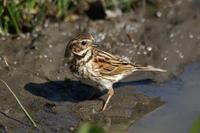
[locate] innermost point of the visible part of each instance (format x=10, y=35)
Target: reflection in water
x=182, y=96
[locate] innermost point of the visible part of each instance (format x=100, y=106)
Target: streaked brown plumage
x=96, y=67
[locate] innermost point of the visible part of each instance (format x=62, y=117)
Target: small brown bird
x=98, y=68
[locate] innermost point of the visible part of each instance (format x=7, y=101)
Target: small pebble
x=65, y=64
x=28, y=34
x=145, y=52
x=37, y=29
x=71, y=128
x=158, y=14
x=40, y=56
x=18, y=38
x=37, y=74
x=50, y=45
x=35, y=35
x=63, y=33
x=31, y=52
x=179, y=2
x=191, y=36
x=7, y=111
x=36, y=48
x=130, y=51
x=23, y=36
x=165, y=58
x=177, y=51
x=149, y=48
x=15, y=62
x=143, y=20
x=101, y=36
x=135, y=46
x=46, y=25
x=3, y=38
x=57, y=129
x=181, y=55
x=94, y=111
x=45, y=56
x=171, y=35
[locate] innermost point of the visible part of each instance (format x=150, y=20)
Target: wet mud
x=36, y=70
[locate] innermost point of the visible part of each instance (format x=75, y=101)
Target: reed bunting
x=98, y=68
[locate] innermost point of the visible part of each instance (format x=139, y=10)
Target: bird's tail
x=148, y=68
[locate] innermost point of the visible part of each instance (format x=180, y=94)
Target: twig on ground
x=24, y=110
x=6, y=61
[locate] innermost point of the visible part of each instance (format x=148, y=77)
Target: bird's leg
x=110, y=94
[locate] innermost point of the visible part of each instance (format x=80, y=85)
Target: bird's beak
x=94, y=45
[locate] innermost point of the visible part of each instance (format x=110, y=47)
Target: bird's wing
x=110, y=65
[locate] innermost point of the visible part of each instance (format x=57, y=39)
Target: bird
x=98, y=68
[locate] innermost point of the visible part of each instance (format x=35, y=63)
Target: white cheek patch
x=81, y=52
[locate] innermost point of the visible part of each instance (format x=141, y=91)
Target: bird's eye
x=83, y=42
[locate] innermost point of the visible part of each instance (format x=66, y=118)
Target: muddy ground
x=37, y=73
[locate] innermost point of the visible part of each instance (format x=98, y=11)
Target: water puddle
x=182, y=96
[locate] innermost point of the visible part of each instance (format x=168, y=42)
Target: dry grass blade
x=22, y=107
x=6, y=61
x=4, y=3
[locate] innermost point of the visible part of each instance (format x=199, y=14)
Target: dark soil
x=37, y=73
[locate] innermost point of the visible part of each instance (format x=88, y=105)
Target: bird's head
x=80, y=45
